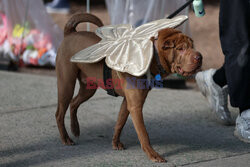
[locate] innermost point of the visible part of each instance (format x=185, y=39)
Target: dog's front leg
x=135, y=100
x=122, y=118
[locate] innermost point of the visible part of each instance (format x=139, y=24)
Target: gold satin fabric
x=126, y=49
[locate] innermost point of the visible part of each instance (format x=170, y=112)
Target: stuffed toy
x=3, y=28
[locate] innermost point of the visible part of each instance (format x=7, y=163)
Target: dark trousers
x=234, y=23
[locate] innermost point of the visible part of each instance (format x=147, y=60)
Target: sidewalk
x=179, y=123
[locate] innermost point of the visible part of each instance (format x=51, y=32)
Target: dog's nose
x=197, y=57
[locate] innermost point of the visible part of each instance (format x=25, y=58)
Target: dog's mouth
x=184, y=72
x=180, y=70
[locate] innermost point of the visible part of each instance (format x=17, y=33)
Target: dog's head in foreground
x=178, y=53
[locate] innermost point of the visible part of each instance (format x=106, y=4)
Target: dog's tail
x=80, y=18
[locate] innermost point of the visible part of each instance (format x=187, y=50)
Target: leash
x=197, y=6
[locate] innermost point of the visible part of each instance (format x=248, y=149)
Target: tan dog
x=176, y=54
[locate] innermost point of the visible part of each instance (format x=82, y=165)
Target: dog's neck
x=154, y=67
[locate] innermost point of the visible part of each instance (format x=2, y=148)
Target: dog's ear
x=190, y=42
x=166, y=39
x=167, y=32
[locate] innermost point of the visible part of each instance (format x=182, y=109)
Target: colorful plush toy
x=39, y=40
x=30, y=57
x=34, y=46
x=3, y=28
x=48, y=58
x=20, y=31
x=17, y=45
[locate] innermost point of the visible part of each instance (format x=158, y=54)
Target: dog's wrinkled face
x=178, y=51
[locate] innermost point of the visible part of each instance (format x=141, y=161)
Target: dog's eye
x=180, y=48
x=168, y=44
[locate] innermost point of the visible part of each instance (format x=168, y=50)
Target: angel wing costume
x=126, y=49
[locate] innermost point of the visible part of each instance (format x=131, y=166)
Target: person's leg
x=219, y=77
x=235, y=35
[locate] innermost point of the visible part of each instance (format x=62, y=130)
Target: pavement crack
x=208, y=160
x=20, y=109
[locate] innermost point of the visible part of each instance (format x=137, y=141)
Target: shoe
x=242, y=128
x=217, y=96
x=58, y=6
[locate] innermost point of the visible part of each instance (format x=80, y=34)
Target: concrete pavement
x=179, y=122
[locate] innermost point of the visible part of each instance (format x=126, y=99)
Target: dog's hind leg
x=122, y=118
x=66, y=84
x=83, y=95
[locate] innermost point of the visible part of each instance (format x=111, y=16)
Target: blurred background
x=204, y=31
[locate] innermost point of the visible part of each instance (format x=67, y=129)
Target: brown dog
x=176, y=54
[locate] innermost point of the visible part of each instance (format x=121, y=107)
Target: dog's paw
x=68, y=142
x=117, y=146
x=153, y=155
x=157, y=158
